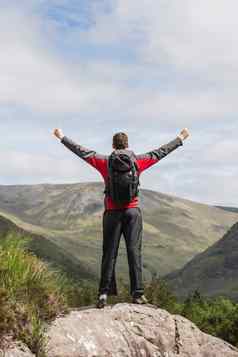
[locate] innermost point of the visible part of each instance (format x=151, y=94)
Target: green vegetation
x=30, y=294
x=218, y=317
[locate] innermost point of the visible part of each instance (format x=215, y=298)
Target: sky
x=93, y=68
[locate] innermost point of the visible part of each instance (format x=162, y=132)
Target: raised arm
x=90, y=156
x=150, y=158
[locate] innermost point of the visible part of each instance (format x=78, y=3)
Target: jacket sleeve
x=150, y=158
x=98, y=161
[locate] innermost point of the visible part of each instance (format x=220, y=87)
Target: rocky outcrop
x=126, y=330
x=129, y=330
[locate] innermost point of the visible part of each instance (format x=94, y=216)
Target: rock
x=129, y=330
x=16, y=349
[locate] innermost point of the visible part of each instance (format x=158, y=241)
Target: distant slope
x=229, y=209
x=48, y=251
x=70, y=215
x=213, y=272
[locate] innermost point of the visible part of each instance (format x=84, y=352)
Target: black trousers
x=115, y=223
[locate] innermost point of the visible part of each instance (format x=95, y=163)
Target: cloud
x=148, y=67
x=187, y=34
x=44, y=168
x=34, y=77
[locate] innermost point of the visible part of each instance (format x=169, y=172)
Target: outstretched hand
x=58, y=133
x=184, y=134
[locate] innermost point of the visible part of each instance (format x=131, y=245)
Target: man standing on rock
x=122, y=215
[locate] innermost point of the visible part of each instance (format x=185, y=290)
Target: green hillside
x=69, y=216
x=48, y=251
x=213, y=272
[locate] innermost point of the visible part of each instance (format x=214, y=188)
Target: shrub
x=216, y=316
x=159, y=294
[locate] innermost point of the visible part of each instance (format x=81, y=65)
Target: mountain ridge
x=70, y=215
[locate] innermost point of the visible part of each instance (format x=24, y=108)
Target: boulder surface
x=129, y=330
x=15, y=349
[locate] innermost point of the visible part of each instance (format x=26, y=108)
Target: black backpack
x=123, y=181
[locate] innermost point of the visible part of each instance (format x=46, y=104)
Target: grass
x=30, y=294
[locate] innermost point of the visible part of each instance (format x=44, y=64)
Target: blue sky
x=93, y=68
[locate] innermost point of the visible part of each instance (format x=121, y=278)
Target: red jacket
x=100, y=163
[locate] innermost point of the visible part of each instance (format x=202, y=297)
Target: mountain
x=69, y=216
x=213, y=272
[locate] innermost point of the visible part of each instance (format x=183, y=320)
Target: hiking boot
x=102, y=301
x=140, y=300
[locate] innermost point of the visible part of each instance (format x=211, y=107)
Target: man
x=123, y=218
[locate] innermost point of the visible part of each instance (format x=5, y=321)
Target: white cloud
x=33, y=76
x=187, y=34
x=157, y=66
x=39, y=168
x=194, y=42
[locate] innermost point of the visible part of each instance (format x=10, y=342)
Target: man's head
x=120, y=141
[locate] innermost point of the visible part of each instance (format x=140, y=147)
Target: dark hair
x=120, y=141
